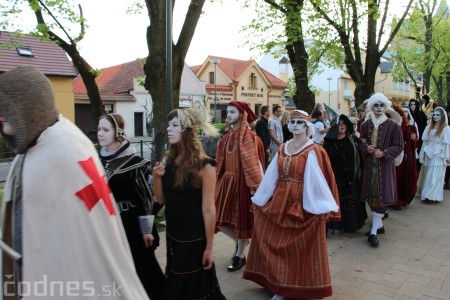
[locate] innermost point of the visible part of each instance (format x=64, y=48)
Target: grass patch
x=1, y=194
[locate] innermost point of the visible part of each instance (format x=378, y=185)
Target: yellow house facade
x=64, y=96
x=231, y=79
x=49, y=58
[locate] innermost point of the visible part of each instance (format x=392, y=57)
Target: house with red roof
x=230, y=79
x=20, y=50
x=122, y=92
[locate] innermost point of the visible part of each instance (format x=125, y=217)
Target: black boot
x=373, y=240
x=237, y=264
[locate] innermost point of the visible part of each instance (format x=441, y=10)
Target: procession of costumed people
x=314, y=182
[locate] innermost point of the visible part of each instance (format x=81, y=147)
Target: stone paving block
x=398, y=296
x=372, y=296
x=432, y=263
x=415, y=253
x=408, y=269
x=436, y=293
x=436, y=274
x=419, y=279
x=394, y=278
x=379, y=288
x=412, y=290
x=436, y=283
x=397, y=260
x=444, y=269
x=348, y=293
x=412, y=262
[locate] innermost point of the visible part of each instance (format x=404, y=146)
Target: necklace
x=301, y=144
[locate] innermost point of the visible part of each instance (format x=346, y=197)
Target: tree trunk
x=155, y=64
x=88, y=78
x=304, y=98
x=82, y=66
x=447, y=88
x=438, y=81
x=428, y=19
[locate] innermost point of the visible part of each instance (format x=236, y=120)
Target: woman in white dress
x=434, y=157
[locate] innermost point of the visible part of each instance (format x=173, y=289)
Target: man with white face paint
x=240, y=165
x=383, y=143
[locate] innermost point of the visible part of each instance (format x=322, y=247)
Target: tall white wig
x=378, y=97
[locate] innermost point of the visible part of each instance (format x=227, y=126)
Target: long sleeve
x=317, y=196
x=268, y=184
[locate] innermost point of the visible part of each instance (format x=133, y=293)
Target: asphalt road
x=4, y=169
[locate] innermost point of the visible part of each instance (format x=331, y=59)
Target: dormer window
x=252, y=81
x=24, y=51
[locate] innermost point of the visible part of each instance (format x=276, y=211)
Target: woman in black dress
x=185, y=182
x=342, y=147
x=127, y=176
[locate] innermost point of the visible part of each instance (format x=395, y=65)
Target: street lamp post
x=215, y=61
x=329, y=90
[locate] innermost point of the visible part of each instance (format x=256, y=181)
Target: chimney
x=284, y=69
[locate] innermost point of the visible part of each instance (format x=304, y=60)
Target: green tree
x=362, y=53
x=422, y=48
x=50, y=16
x=279, y=28
x=155, y=65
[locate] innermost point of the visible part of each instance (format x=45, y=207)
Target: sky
x=115, y=37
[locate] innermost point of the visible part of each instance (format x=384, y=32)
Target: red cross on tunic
x=97, y=190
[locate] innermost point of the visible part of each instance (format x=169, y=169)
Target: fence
x=144, y=149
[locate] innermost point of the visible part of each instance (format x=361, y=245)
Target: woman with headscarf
x=185, y=183
x=406, y=172
x=288, y=252
x=127, y=175
x=434, y=156
x=342, y=147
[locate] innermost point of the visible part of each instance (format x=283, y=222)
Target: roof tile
x=47, y=55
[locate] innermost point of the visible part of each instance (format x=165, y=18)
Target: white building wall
x=190, y=88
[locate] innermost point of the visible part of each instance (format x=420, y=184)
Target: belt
x=125, y=206
x=288, y=179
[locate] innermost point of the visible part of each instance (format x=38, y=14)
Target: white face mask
x=437, y=116
x=233, y=115
x=5, y=126
x=297, y=126
x=174, y=131
x=379, y=108
x=105, y=133
x=412, y=106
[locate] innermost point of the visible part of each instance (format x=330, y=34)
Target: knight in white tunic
x=62, y=237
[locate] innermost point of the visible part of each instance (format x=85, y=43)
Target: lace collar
x=124, y=150
x=377, y=121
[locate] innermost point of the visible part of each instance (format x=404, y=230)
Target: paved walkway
x=412, y=261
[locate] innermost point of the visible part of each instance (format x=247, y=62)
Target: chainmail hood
x=27, y=102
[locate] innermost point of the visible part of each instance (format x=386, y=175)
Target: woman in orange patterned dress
x=298, y=194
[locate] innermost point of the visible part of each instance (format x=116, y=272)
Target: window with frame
x=252, y=81
x=24, y=51
x=211, y=77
